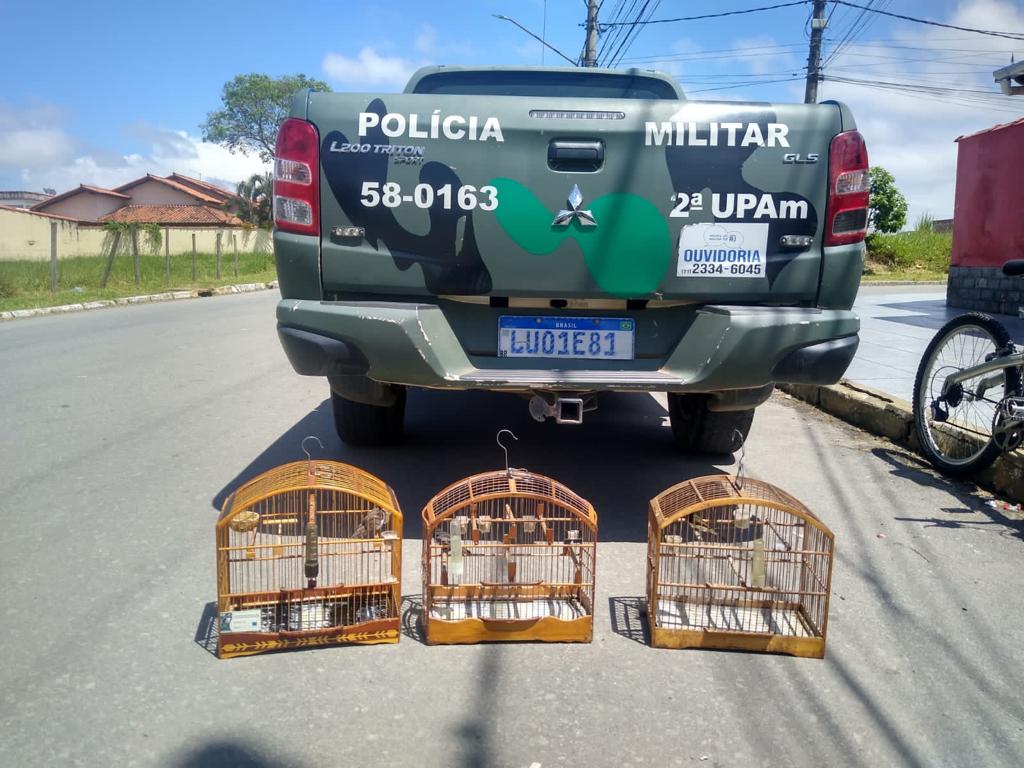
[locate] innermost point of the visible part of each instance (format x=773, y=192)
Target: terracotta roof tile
x=202, y=186
x=202, y=196
x=78, y=190
x=203, y=215
x=999, y=127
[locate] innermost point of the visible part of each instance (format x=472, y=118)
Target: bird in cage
x=372, y=524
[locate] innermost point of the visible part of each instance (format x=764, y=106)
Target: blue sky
x=103, y=93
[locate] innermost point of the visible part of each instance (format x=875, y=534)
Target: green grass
x=26, y=284
x=918, y=255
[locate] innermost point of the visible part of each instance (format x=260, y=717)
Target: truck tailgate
x=594, y=198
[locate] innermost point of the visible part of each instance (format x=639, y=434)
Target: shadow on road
x=217, y=754
x=628, y=619
x=914, y=468
x=412, y=618
x=620, y=457
x=206, y=630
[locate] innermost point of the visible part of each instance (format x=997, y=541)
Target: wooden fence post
x=234, y=242
x=218, y=255
x=135, y=255
x=53, y=256
x=193, y=257
x=167, y=252
x=110, y=259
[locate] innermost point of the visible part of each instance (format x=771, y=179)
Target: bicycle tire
x=961, y=443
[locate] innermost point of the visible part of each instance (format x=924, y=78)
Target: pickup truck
x=557, y=233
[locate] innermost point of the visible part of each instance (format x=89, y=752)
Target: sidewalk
x=897, y=322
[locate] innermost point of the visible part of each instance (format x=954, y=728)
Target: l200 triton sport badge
x=575, y=200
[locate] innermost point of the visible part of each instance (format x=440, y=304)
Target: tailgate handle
x=576, y=156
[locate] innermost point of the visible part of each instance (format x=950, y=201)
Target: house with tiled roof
x=166, y=200
x=161, y=190
x=192, y=214
x=84, y=203
x=204, y=186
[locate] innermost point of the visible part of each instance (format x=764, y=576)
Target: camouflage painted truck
x=559, y=233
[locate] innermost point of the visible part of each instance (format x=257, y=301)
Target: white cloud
x=33, y=137
x=426, y=40
x=368, y=69
x=37, y=150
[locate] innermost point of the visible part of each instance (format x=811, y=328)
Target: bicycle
x=968, y=397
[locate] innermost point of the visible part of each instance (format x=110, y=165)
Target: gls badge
x=796, y=157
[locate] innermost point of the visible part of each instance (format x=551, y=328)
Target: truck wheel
x=362, y=424
x=699, y=430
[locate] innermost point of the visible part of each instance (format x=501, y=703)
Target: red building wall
x=988, y=217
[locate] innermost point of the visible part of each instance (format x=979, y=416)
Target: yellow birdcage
x=308, y=554
x=740, y=564
x=508, y=555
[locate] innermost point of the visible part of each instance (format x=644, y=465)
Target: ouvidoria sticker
x=722, y=250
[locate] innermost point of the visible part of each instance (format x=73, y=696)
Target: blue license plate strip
x=579, y=338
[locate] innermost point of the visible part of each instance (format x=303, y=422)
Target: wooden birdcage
x=308, y=554
x=737, y=564
x=508, y=555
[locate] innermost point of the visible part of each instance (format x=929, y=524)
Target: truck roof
x=592, y=82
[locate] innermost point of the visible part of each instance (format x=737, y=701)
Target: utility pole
x=590, y=50
x=814, y=55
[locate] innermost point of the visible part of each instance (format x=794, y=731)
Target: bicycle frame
x=990, y=366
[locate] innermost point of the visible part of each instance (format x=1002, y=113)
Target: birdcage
x=508, y=555
x=308, y=554
x=737, y=563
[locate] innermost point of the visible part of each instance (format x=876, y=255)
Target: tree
x=257, y=194
x=888, y=206
x=254, y=106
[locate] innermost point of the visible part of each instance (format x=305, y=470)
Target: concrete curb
x=886, y=416
x=902, y=282
x=223, y=290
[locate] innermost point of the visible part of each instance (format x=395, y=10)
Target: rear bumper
x=724, y=347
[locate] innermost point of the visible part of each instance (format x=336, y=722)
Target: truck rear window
x=580, y=84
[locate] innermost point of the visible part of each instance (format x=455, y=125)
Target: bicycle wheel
x=955, y=430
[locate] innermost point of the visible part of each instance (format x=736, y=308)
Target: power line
x=634, y=30
x=959, y=96
x=745, y=84
x=535, y=37
x=993, y=33
x=715, y=15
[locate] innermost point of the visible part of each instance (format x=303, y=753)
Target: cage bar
x=308, y=554
x=508, y=555
x=737, y=564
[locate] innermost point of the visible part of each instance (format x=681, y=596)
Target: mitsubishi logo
x=575, y=200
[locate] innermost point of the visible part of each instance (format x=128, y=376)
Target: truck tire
x=699, y=430
x=362, y=424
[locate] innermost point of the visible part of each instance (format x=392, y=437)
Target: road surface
x=125, y=428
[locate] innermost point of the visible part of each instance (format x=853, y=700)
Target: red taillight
x=297, y=178
x=846, y=213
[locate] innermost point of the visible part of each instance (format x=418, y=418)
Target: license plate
x=578, y=338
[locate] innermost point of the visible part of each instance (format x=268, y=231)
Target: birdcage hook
x=497, y=439
x=310, y=437
x=743, y=453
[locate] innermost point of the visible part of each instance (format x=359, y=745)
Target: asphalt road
x=125, y=428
